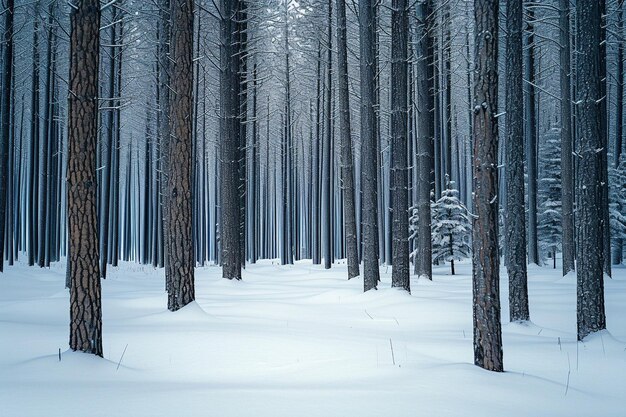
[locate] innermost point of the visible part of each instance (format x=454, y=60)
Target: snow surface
x=303, y=341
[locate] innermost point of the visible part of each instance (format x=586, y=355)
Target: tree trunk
x=5, y=121
x=229, y=127
x=326, y=160
x=179, y=182
x=530, y=131
x=347, y=162
x=426, y=134
x=85, y=302
x=399, y=124
x=515, y=233
x=567, y=163
x=604, y=145
x=589, y=271
x=619, y=116
x=371, y=273
x=486, y=294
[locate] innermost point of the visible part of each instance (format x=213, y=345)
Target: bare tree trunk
x=371, y=274
x=229, y=127
x=347, y=162
x=606, y=227
x=5, y=121
x=589, y=271
x=179, y=181
x=530, y=131
x=486, y=265
x=426, y=134
x=399, y=125
x=567, y=163
x=326, y=160
x=619, y=116
x=85, y=302
x=515, y=233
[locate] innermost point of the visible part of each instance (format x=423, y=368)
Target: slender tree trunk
x=229, y=127
x=33, y=188
x=399, y=136
x=530, y=131
x=515, y=233
x=5, y=121
x=589, y=271
x=567, y=163
x=486, y=265
x=85, y=303
x=179, y=233
x=619, y=116
x=347, y=162
x=606, y=227
x=426, y=133
x=371, y=274
x=326, y=160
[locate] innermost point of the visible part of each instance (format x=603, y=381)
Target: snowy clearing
x=303, y=341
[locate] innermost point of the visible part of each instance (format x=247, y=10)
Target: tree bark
x=179, y=182
x=399, y=125
x=567, y=163
x=619, y=116
x=347, y=162
x=85, y=302
x=426, y=136
x=371, y=273
x=589, y=271
x=515, y=234
x=485, y=269
x=326, y=160
x=229, y=148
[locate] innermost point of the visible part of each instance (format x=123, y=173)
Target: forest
x=314, y=200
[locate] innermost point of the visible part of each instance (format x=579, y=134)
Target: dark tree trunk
x=515, y=233
x=604, y=145
x=5, y=121
x=85, y=302
x=530, y=131
x=229, y=146
x=33, y=180
x=589, y=271
x=567, y=163
x=371, y=273
x=619, y=116
x=181, y=257
x=326, y=160
x=487, y=327
x=426, y=133
x=399, y=125
x=347, y=162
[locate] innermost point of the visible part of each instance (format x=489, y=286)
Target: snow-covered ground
x=302, y=341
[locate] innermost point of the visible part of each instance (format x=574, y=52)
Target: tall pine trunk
x=515, y=225
x=425, y=136
x=347, y=162
x=399, y=136
x=486, y=265
x=369, y=183
x=589, y=271
x=179, y=181
x=567, y=163
x=85, y=302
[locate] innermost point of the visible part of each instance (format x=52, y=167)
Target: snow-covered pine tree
x=451, y=228
x=617, y=208
x=550, y=194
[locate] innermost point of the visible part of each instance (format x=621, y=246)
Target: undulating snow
x=303, y=341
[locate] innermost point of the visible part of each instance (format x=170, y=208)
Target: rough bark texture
x=530, y=131
x=327, y=153
x=604, y=144
x=85, y=303
x=619, y=116
x=567, y=163
x=515, y=233
x=371, y=273
x=5, y=121
x=347, y=162
x=179, y=182
x=229, y=128
x=426, y=135
x=399, y=170
x=486, y=294
x=590, y=288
